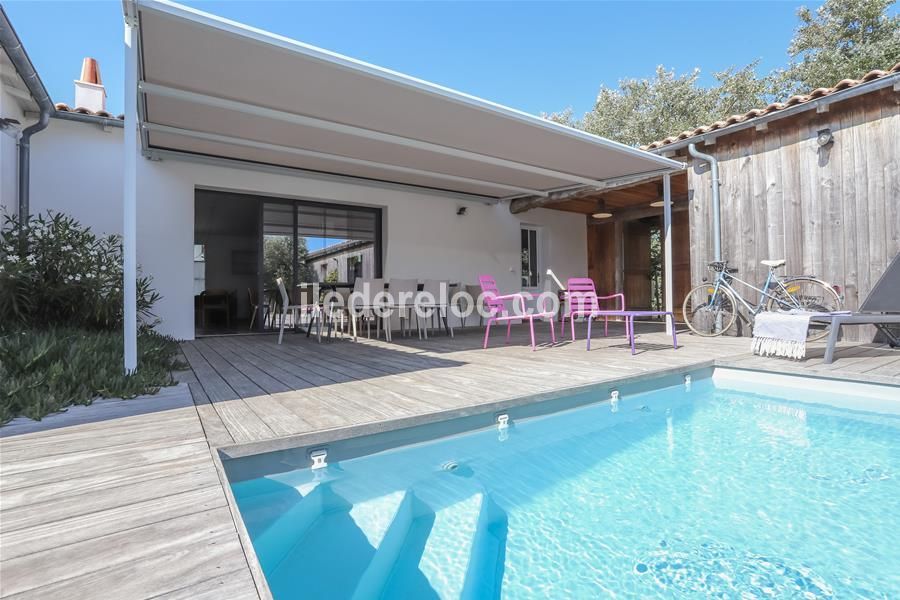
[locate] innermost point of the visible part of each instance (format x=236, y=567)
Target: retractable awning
x=213, y=87
x=206, y=88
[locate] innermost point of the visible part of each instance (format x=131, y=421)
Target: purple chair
x=582, y=301
x=495, y=305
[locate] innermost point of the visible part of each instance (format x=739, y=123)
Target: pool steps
x=432, y=540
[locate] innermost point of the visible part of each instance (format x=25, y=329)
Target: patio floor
x=249, y=389
x=121, y=499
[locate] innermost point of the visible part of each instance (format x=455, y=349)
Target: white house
x=242, y=134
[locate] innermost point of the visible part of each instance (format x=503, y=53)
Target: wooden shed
x=814, y=180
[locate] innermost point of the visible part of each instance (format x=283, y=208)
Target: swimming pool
x=684, y=491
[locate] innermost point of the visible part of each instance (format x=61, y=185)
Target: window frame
x=536, y=251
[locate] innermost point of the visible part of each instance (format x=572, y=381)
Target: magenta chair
x=495, y=305
x=582, y=301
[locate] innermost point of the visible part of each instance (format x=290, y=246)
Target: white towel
x=781, y=334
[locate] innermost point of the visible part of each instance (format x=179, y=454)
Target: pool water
x=678, y=493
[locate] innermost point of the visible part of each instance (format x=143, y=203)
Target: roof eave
x=839, y=96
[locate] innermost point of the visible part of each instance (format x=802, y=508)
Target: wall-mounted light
x=461, y=211
x=658, y=203
x=602, y=215
x=824, y=137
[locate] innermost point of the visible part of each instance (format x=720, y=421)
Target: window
x=332, y=242
x=354, y=267
x=531, y=268
x=199, y=268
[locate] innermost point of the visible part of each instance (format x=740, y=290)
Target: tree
x=841, y=39
x=640, y=111
x=278, y=259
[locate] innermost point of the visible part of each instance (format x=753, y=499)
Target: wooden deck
x=249, y=389
x=121, y=499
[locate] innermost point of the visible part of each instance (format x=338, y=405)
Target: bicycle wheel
x=809, y=294
x=709, y=313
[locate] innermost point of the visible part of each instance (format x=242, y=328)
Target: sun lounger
x=881, y=309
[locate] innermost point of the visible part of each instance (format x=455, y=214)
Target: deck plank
x=126, y=502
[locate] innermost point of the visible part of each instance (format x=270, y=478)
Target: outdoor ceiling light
x=602, y=211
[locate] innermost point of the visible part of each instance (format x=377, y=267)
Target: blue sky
x=534, y=56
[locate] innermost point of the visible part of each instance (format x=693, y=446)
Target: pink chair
x=582, y=301
x=495, y=305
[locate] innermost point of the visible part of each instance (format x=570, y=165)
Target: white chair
x=367, y=305
x=435, y=295
x=403, y=294
x=474, y=292
x=314, y=310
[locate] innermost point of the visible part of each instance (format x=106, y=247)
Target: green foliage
x=56, y=272
x=839, y=40
x=332, y=276
x=44, y=371
x=278, y=259
x=640, y=111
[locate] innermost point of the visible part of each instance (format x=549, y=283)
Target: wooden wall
x=832, y=212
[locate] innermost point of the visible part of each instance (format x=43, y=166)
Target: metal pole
x=667, y=248
x=129, y=200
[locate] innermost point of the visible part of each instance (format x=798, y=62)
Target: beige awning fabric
x=213, y=87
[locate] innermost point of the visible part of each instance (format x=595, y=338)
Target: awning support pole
x=667, y=249
x=129, y=200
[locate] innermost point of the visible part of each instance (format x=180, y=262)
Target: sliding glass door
x=312, y=242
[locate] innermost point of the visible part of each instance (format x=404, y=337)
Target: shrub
x=56, y=272
x=43, y=371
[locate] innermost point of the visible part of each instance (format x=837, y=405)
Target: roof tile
x=775, y=107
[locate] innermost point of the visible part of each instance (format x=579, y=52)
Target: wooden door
x=681, y=259
x=637, y=265
x=602, y=257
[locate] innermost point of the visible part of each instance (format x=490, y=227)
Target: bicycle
x=710, y=309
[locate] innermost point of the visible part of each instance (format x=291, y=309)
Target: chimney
x=89, y=90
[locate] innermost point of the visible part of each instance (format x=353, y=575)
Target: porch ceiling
x=631, y=198
x=209, y=86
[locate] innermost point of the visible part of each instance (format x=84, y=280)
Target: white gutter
x=714, y=172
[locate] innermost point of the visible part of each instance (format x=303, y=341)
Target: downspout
x=714, y=171
x=19, y=58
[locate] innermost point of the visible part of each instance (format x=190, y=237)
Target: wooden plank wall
x=832, y=211
x=602, y=255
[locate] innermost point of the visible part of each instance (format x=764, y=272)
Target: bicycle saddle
x=774, y=263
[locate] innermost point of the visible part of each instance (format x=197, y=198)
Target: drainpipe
x=714, y=170
x=19, y=58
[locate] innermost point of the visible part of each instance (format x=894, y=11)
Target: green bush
x=44, y=371
x=56, y=272
x=61, y=320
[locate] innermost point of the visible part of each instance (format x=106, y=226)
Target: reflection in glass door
x=311, y=242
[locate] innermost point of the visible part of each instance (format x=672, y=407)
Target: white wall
x=9, y=109
x=423, y=236
x=77, y=169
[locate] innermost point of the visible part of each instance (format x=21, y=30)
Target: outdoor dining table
x=629, y=322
